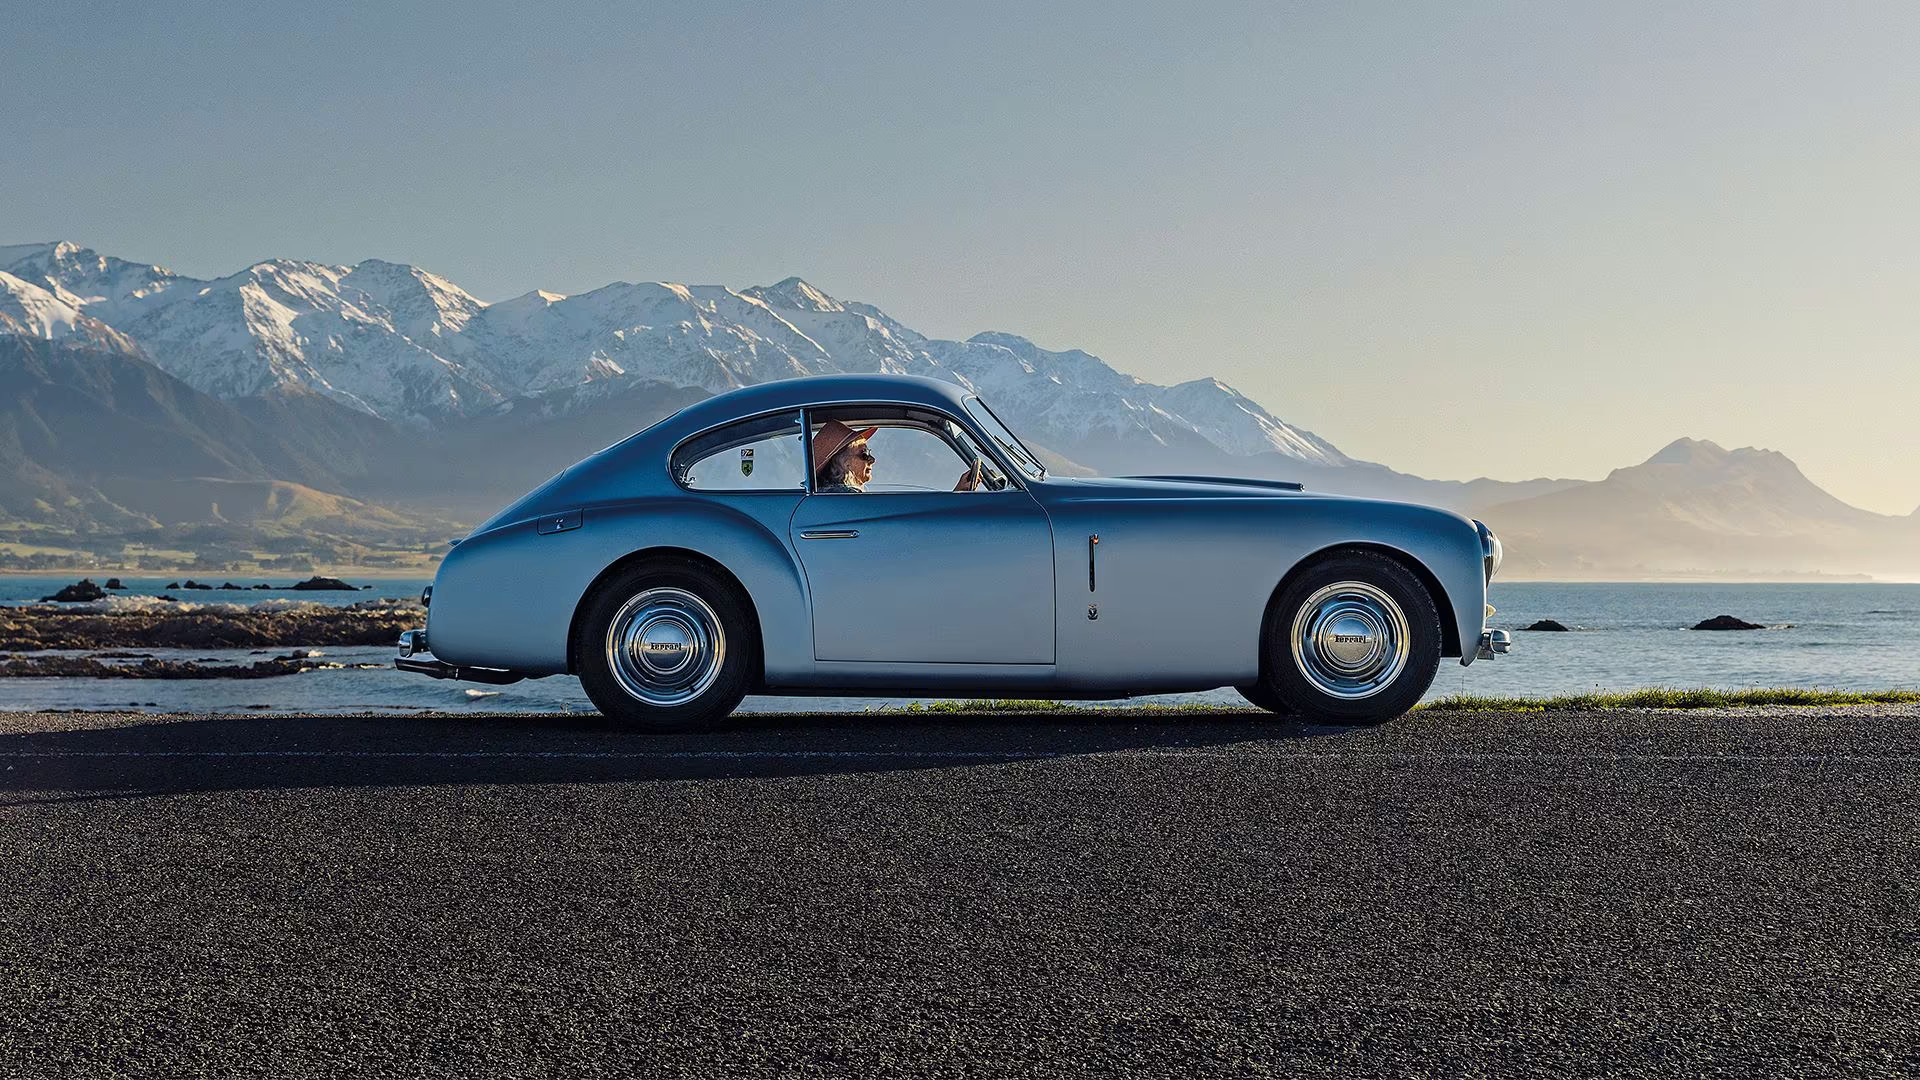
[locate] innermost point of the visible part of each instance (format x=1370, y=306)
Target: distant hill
x=1696, y=506
x=95, y=438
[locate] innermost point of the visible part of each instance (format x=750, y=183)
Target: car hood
x=1217, y=489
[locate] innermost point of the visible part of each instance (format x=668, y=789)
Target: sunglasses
x=864, y=454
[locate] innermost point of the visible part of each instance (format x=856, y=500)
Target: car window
x=908, y=450
x=761, y=454
x=914, y=459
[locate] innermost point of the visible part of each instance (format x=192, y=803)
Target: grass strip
x=1660, y=697
x=1669, y=697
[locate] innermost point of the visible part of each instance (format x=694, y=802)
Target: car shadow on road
x=64, y=757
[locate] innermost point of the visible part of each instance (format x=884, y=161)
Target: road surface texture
x=1099, y=894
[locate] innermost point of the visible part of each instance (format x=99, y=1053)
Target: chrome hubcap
x=1350, y=640
x=665, y=646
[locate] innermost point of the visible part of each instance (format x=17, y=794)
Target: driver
x=843, y=462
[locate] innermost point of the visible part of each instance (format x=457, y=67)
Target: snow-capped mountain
x=425, y=307
x=1077, y=394
x=29, y=311
x=406, y=345
x=112, y=290
x=282, y=324
x=26, y=308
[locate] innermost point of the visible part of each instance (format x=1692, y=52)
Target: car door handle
x=829, y=534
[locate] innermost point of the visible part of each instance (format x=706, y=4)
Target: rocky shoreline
x=85, y=591
x=96, y=667
x=37, y=628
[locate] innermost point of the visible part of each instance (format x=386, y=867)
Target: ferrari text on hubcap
x=1350, y=640
x=665, y=646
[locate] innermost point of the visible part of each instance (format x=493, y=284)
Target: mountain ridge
x=412, y=347
x=384, y=381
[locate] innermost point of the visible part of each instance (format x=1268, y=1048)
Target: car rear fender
x=507, y=598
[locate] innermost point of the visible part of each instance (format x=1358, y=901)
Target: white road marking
x=529, y=754
x=957, y=755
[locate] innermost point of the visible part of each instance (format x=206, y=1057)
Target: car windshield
x=1017, y=454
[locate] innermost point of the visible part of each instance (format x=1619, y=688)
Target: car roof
x=815, y=390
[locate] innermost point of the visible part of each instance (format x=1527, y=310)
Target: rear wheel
x=667, y=645
x=1354, y=639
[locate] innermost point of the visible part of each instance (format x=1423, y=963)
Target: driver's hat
x=834, y=437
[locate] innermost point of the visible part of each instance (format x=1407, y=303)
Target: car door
x=928, y=576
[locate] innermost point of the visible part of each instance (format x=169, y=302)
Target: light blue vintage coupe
x=888, y=535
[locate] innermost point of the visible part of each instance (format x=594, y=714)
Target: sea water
x=16, y=589
x=1623, y=637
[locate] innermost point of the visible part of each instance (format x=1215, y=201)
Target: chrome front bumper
x=1493, y=643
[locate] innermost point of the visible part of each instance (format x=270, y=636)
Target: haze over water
x=1843, y=636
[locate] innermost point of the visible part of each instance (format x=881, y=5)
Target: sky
x=1462, y=239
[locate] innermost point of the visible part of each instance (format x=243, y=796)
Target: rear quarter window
x=760, y=454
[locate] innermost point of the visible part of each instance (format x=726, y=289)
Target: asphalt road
x=1678, y=894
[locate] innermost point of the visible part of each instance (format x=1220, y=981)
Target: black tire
x=670, y=610
x=1358, y=591
x=1261, y=696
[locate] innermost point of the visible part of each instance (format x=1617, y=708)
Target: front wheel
x=1354, y=639
x=666, y=646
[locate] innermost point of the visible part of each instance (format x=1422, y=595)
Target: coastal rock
x=1548, y=624
x=79, y=592
x=1726, y=622
x=113, y=583
x=231, y=585
x=192, y=584
x=29, y=629
x=323, y=584
x=92, y=667
x=173, y=584
x=263, y=585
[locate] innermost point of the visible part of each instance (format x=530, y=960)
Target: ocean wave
x=141, y=605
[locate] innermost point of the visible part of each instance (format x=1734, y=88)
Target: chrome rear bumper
x=413, y=644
